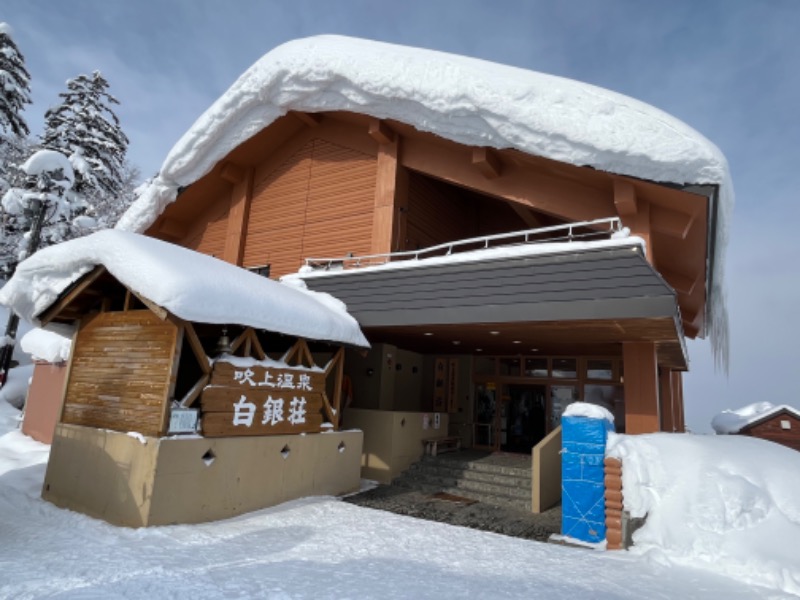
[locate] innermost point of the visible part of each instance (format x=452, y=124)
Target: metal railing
x=596, y=229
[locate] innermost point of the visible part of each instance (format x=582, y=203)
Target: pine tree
x=85, y=128
x=15, y=91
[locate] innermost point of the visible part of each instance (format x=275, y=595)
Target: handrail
x=613, y=224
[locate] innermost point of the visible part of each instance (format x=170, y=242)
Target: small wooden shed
x=177, y=408
x=779, y=424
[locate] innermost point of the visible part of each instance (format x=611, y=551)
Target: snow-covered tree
x=15, y=90
x=85, y=128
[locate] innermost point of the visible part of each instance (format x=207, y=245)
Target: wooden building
x=779, y=424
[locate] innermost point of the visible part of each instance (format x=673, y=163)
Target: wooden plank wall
x=772, y=430
x=317, y=203
x=209, y=236
x=119, y=377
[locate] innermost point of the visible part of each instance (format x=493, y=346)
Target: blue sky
x=728, y=68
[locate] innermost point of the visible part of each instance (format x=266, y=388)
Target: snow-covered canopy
x=733, y=421
x=192, y=286
x=462, y=99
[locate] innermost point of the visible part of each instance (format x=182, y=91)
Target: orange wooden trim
x=193, y=394
x=526, y=214
x=232, y=173
x=639, y=225
x=487, y=162
x=381, y=132
x=383, y=218
x=691, y=331
x=64, y=301
x=625, y=198
x=310, y=119
x=641, y=387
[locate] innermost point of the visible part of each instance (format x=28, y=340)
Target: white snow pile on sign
x=466, y=100
x=190, y=285
x=729, y=504
x=733, y=421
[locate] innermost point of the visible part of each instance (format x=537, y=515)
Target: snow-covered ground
x=313, y=548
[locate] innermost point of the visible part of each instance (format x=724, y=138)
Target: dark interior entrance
x=523, y=420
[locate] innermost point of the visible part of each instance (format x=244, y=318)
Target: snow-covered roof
x=190, y=285
x=733, y=421
x=51, y=345
x=462, y=99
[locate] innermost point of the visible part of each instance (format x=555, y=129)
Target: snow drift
x=726, y=504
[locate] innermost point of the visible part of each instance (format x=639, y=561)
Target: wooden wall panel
x=119, y=376
x=317, y=203
x=773, y=431
x=209, y=235
x=437, y=213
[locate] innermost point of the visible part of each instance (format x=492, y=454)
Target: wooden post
x=388, y=224
x=641, y=387
x=634, y=212
x=614, y=503
x=677, y=390
x=239, y=210
x=667, y=400
x=173, y=379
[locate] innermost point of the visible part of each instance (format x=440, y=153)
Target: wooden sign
x=452, y=386
x=261, y=400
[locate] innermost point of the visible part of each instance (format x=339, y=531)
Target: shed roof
x=190, y=285
x=734, y=421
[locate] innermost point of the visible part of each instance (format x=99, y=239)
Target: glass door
x=486, y=411
x=524, y=415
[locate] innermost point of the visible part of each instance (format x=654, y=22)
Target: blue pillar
x=583, y=441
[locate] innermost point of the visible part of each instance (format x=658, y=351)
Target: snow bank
x=586, y=409
x=466, y=100
x=727, y=504
x=191, y=285
x=51, y=346
x=15, y=390
x=733, y=421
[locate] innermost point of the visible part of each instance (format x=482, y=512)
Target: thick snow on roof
x=729, y=504
x=52, y=345
x=466, y=100
x=588, y=410
x=733, y=421
x=192, y=286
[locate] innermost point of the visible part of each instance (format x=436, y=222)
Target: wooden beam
x=239, y=341
x=197, y=348
x=562, y=198
x=381, y=132
x=173, y=380
x=641, y=387
x=639, y=224
x=160, y=312
x=526, y=214
x=292, y=352
x=337, y=388
x=193, y=394
x=625, y=198
x=683, y=284
x=667, y=400
x=69, y=295
x=256, y=345
x=384, y=210
x=310, y=119
x=671, y=222
x=487, y=162
x=326, y=404
x=677, y=396
x=238, y=213
x=232, y=173
x=172, y=228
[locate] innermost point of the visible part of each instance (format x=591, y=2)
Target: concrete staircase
x=499, y=480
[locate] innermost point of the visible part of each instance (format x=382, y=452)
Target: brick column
x=614, y=504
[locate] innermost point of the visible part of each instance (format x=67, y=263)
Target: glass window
x=599, y=369
x=565, y=368
x=484, y=365
x=509, y=366
x=561, y=396
x=536, y=367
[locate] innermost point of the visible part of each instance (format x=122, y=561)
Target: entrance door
x=524, y=420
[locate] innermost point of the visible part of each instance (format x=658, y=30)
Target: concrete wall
x=392, y=440
x=546, y=472
x=114, y=477
x=408, y=369
x=43, y=404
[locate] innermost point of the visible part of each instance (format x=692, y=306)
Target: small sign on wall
x=439, y=385
x=437, y=420
x=183, y=420
x=452, y=386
